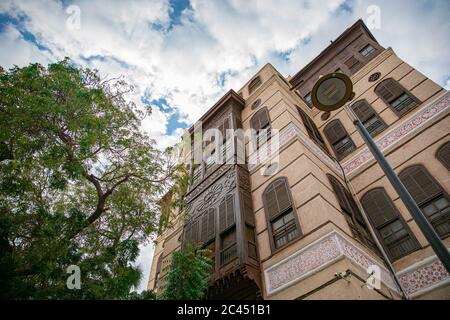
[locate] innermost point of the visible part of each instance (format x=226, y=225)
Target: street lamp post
x=333, y=91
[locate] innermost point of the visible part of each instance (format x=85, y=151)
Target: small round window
x=256, y=104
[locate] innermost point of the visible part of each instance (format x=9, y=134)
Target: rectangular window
x=210, y=160
x=284, y=229
x=344, y=146
x=397, y=239
x=438, y=212
x=374, y=125
x=308, y=100
x=263, y=135
x=367, y=51
x=353, y=64
x=403, y=103
x=196, y=174
x=228, y=248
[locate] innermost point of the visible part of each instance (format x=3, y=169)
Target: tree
x=79, y=183
x=187, y=275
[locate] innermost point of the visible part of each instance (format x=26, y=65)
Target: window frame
x=308, y=102
x=439, y=156
x=352, y=211
x=374, y=50
x=430, y=198
x=374, y=114
x=315, y=134
x=397, y=217
x=254, y=84
x=339, y=157
x=389, y=103
x=268, y=127
x=269, y=219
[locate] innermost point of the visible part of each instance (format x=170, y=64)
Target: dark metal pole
x=426, y=228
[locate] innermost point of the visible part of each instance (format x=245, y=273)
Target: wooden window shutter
x=277, y=198
x=379, y=207
x=340, y=194
x=211, y=223
x=392, y=230
x=389, y=90
x=226, y=212
x=222, y=215
x=187, y=233
x=246, y=202
x=204, y=228
x=230, y=210
x=363, y=110
x=306, y=122
x=312, y=130
x=207, y=225
x=335, y=131
x=443, y=155
x=260, y=119
x=282, y=192
x=420, y=184
x=255, y=83
x=271, y=202
x=224, y=128
x=264, y=118
x=353, y=64
x=195, y=231
x=254, y=122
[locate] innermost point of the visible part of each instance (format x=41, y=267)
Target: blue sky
x=182, y=55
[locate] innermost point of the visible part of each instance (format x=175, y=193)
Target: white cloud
x=229, y=38
x=18, y=51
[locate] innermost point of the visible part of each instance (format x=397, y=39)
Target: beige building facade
x=311, y=218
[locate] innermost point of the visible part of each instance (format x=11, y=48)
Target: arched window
x=369, y=118
x=391, y=229
x=280, y=213
x=398, y=98
x=443, y=155
x=312, y=130
x=339, y=139
x=260, y=122
x=253, y=85
x=430, y=197
x=351, y=212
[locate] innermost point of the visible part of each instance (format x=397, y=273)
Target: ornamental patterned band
x=423, y=277
x=415, y=280
x=399, y=132
x=317, y=256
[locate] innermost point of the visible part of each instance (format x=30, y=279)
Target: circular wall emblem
x=325, y=115
x=374, y=76
x=256, y=104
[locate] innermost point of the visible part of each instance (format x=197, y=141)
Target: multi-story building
x=310, y=224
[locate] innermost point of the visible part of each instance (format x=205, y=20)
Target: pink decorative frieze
x=317, y=256
x=365, y=261
x=404, y=129
x=423, y=277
